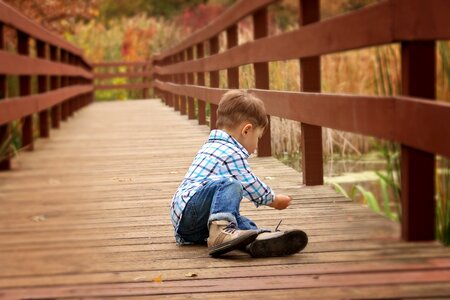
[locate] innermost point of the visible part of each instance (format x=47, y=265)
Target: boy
x=206, y=204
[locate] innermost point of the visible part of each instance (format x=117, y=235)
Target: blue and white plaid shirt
x=222, y=156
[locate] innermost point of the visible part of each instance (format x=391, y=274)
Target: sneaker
x=225, y=237
x=278, y=243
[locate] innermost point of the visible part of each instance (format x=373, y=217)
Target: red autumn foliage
x=195, y=18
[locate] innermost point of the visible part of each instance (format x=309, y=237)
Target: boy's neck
x=235, y=133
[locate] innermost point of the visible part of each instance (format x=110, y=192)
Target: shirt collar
x=220, y=135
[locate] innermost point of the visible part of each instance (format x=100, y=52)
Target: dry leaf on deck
x=39, y=218
x=190, y=274
x=158, y=278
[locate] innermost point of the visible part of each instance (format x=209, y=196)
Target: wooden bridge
x=86, y=213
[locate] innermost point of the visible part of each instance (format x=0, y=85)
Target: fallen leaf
x=158, y=278
x=39, y=218
x=139, y=278
x=125, y=179
x=190, y=274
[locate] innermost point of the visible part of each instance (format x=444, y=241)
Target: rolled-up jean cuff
x=222, y=216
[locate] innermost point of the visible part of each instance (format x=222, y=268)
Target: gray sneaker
x=278, y=243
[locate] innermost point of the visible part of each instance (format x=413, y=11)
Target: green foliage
x=443, y=201
x=368, y=197
x=390, y=179
x=370, y=200
x=443, y=81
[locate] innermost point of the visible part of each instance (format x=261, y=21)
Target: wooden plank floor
x=86, y=215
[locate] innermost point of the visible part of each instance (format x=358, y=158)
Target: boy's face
x=249, y=137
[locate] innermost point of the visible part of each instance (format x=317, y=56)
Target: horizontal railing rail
x=63, y=85
x=134, y=71
x=413, y=120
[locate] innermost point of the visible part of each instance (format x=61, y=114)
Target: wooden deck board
x=87, y=215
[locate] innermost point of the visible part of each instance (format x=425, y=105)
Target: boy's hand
x=281, y=202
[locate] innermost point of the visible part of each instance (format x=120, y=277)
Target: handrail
x=376, y=25
x=381, y=117
x=234, y=14
x=58, y=64
x=415, y=24
x=139, y=69
x=13, y=18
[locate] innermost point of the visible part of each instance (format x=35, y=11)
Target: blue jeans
x=217, y=200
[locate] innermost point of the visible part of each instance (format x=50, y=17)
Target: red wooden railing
x=64, y=79
x=421, y=126
x=108, y=70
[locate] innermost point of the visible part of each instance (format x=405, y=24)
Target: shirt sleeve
x=254, y=188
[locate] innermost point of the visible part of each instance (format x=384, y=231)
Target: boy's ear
x=247, y=127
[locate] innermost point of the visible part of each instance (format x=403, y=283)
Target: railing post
x=64, y=105
x=190, y=80
x=154, y=63
x=232, y=73
x=23, y=48
x=171, y=98
x=70, y=82
x=5, y=129
x=44, y=128
x=311, y=135
x=163, y=94
x=260, y=30
x=175, y=79
x=182, y=80
x=213, y=81
x=145, y=80
x=201, y=105
x=418, y=167
x=56, y=109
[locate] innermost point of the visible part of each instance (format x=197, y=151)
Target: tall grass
x=443, y=200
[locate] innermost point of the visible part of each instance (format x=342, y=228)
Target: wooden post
x=175, y=79
x=171, y=98
x=214, y=81
x=232, y=73
x=418, y=167
x=56, y=109
x=64, y=105
x=311, y=138
x=23, y=48
x=182, y=80
x=260, y=30
x=190, y=80
x=201, y=82
x=70, y=82
x=145, y=80
x=44, y=126
x=5, y=130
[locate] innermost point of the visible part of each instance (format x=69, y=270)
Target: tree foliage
x=57, y=15
x=124, y=8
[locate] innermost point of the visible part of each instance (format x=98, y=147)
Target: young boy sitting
x=206, y=205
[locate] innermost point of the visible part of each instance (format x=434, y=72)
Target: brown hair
x=237, y=106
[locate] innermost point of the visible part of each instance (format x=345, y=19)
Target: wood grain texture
x=87, y=215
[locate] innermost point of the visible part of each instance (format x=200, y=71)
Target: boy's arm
x=254, y=188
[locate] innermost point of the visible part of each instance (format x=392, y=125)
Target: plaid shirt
x=221, y=156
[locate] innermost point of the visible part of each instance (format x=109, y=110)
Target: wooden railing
x=421, y=126
x=109, y=70
x=64, y=80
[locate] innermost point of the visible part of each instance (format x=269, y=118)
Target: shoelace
x=279, y=223
x=231, y=228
